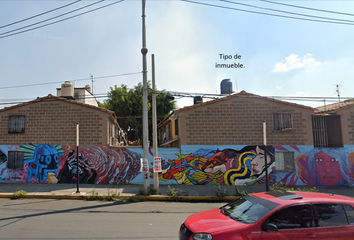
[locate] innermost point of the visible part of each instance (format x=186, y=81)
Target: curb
x=132, y=198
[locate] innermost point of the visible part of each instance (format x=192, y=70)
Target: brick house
x=334, y=125
x=53, y=120
x=238, y=120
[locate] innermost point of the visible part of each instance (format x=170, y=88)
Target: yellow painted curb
x=128, y=197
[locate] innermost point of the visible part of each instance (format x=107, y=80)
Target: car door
x=290, y=223
x=334, y=221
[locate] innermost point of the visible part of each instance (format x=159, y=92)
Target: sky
x=282, y=57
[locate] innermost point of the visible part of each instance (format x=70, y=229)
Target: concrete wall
x=192, y=164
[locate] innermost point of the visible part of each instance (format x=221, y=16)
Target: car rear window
x=349, y=210
x=248, y=209
x=330, y=215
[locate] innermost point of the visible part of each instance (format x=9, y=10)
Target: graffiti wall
x=60, y=164
x=195, y=165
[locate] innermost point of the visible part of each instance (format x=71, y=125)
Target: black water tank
x=226, y=86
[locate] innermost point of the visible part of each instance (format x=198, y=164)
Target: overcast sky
x=280, y=56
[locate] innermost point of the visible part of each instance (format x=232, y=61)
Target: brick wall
x=239, y=121
x=54, y=122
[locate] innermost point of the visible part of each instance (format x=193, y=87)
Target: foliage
x=173, y=193
x=280, y=186
x=151, y=191
x=94, y=195
x=219, y=192
x=127, y=105
x=19, y=194
x=240, y=193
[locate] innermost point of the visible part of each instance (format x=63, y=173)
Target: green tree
x=127, y=105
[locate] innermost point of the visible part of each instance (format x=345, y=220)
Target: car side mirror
x=270, y=227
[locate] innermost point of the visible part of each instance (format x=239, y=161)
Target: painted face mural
x=226, y=166
x=323, y=167
x=327, y=169
x=258, y=162
x=42, y=162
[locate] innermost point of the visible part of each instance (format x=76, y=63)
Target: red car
x=275, y=216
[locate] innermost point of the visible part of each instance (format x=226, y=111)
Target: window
x=176, y=127
x=330, y=215
x=17, y=124
x=285, y=161
x=349, y=210
x=327, y=131
x=282, y=121
x=299, y=216
x=15, y=159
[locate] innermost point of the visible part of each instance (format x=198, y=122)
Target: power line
x=46, y=20
x=48, y=24
x=287, y=12
x=10, y=24
x=307, y=8
x=263, y=13
x=76, y=80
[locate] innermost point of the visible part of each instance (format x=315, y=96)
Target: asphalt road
x=79, y=219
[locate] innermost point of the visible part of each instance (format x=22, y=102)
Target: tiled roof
x=335, y=106
x=51, y=97
x=240, y=94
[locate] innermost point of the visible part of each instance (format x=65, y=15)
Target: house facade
x=220, y=142
x=53, y=120
x=238, y=120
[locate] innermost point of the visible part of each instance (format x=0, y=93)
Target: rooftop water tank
x=198, y=99
x=67, y=89
x=226, y=86
x=88, y=88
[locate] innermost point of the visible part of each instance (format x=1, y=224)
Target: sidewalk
x=132, y=191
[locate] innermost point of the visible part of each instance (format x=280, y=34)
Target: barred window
x=282, y=121
x=17, y=124
x=15, y=159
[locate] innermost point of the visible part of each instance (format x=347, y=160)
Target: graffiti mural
x=232, y=165
x=223, y=167
x=58, y=164
x=322, y=167
x=41, y=161
x=99, y=165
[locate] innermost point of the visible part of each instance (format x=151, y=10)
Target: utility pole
x=265, y=153
x=154, y=123
x=145, y=105
x=338, y=93
x=77, y=159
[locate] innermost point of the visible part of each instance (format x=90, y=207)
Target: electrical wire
x=307, y=8
x=77, y=15
x=281, y=11
x=76, y=80
x=41, y=14
x=263, y=13
x=46, y=20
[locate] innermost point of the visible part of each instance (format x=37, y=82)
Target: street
x=80, y=219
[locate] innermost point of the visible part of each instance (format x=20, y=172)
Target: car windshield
x=247, y=209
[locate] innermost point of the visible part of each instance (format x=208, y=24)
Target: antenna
x=338, y=92
x=236, y=85
x=92, y=83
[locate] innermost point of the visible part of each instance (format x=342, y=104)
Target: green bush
x=19, y=194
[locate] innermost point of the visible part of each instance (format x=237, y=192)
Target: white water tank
x=67, y=89
x=88, y=88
